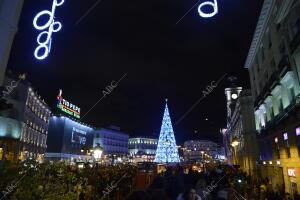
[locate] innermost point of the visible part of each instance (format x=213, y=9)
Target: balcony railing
x=295, y=42
x=283, y=115
x=272, y=82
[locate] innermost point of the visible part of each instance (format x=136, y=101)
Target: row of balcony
x=283, y=67
x=281, y=116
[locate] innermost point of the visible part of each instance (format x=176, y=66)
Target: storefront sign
x=67, y=107
x=291, y=172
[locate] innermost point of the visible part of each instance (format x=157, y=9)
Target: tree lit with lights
x=166, y=149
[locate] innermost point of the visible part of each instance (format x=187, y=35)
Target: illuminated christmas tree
x=166, y=149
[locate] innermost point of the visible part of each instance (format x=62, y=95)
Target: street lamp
x=97, y=152
x=234, y=144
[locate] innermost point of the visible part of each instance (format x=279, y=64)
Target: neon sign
x=67, y=107
x=214, y=5
x=44, y=39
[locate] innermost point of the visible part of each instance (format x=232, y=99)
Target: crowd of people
x=218, y=183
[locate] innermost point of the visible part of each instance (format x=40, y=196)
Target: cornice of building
x=259, y=31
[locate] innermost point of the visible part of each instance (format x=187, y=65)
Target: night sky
x=162, y=59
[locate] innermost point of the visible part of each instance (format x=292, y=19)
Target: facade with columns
x=273, y=63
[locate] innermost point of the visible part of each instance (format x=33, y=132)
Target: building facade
x=142, y=149
x=28, y=117
x=113, y=141
x=242, y=129
x=232, y=94
x=69, y=139
x=198, y=150
x=10, y=11
x=273, y=63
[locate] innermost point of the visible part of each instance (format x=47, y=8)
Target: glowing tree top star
x=166, y=149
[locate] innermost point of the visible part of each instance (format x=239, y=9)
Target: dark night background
x=161, y=59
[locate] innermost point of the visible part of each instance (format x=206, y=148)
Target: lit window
x=298, y=131
x=285, y=136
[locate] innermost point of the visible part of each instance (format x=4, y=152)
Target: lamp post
x=234, y=144
x=97, y=152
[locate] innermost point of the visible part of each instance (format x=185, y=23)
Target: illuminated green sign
x=67, y=107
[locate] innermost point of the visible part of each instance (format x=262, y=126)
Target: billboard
x=78, y=136
x=67, y=107
x=68, y=136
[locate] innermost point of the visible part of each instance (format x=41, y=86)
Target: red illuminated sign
x=291, y=172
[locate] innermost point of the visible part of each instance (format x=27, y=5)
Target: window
x=266, y=75
x=296, y=27
x=282, y=49
x=272, y=112
x=262, y=54
x=273, y=65
x=260, y=85
x=298, y=139
x=280, y=105
x=292, y=93
x=278, y=26
x=257, y=63
x=269, y=39
x=287, y=146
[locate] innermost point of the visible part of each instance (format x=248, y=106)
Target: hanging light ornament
x=213, y=4
x=44, y=39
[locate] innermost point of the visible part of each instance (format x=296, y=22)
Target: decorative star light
x=214, y=5
x=52, y=26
